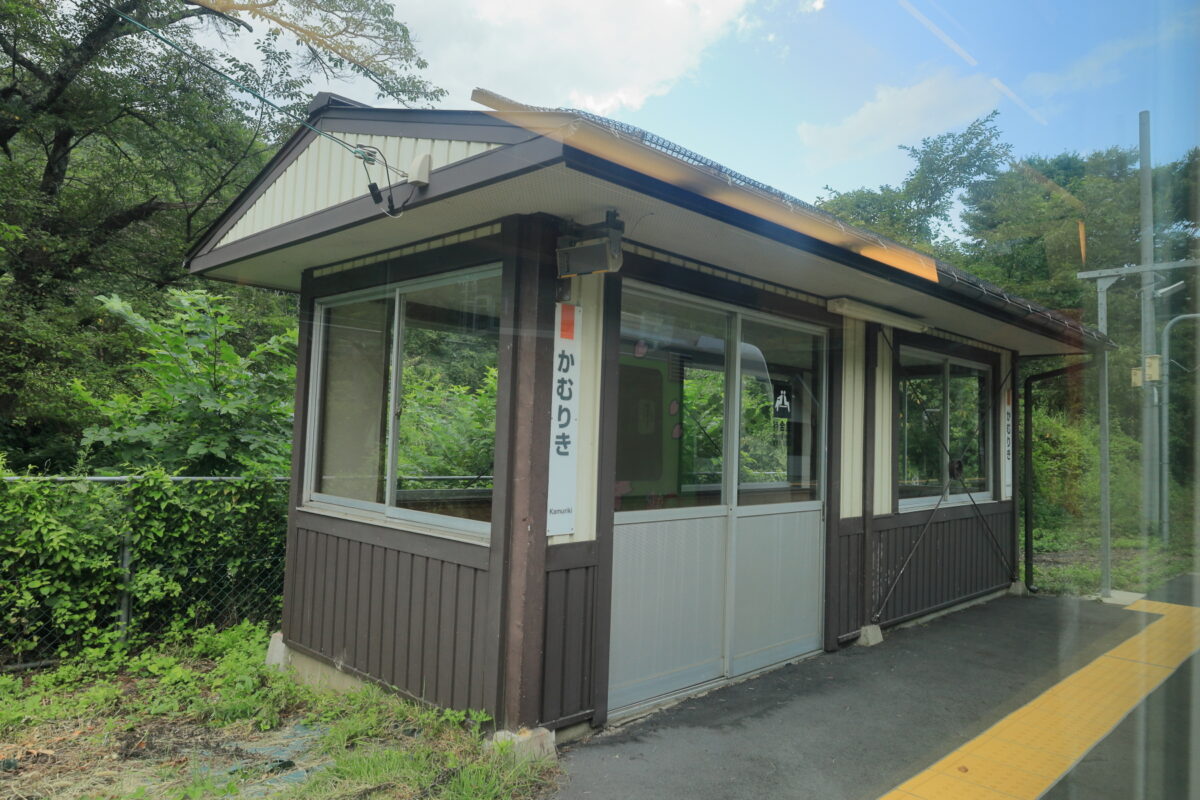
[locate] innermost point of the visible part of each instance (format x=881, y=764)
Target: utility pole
x=1150, y=460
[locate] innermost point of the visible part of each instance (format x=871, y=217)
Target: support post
x=1102, y=286
x=1150, y=486
x=126, y=581
x=1027, y=481
x=1165, y=427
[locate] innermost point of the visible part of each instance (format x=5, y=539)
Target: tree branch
x=10, y=49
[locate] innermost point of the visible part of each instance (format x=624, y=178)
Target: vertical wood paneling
x=955, y=561
x=464, y=606
x=410, y=621
x=480, y=676
x=569, y=651
x=388, y=621
x=444, y=651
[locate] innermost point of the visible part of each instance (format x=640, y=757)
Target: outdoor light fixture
x=421, y=167
x=588, y=249
x=1167, y=291
x=856, y=309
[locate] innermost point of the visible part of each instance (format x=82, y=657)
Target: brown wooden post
x=523, y=552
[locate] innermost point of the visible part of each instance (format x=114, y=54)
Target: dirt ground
x=89, y=759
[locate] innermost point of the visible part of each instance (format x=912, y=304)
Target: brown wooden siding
x=844, y=599
x=569, y=657
x=957, y=559
x=411, y=621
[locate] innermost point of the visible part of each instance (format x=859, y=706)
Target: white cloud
x=808, y=6
x=600, y=56
x=1097, y=68
x=899, y=115
x=1101, y=65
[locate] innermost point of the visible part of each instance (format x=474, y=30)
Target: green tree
x=118, y=151
x=205, y=408
x=918, y=211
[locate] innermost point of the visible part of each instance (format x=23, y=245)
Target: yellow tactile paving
x=1023, y=755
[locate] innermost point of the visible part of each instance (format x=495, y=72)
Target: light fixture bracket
x=589, y=249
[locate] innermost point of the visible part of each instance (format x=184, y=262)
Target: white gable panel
x=326, y=174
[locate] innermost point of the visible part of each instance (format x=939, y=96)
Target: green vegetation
x=1066, y=526
x=118, y=151
x=202, y=716
x=202, y=407
x=60, y=570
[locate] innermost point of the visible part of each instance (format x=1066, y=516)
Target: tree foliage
x=205, y=408
x=117, y=151
x=918, y=211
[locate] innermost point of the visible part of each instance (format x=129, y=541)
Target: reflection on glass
x=920, y=454
x=779, y=450
x=671, y=405
x=969, y=414
x=446, y=417
x=944, y=415
x=354, y=400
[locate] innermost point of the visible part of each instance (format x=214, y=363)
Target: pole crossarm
x=1137, y=269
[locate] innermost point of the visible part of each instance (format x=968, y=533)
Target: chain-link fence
x=92, y=561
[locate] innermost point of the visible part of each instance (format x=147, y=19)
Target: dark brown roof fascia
x=962, y=294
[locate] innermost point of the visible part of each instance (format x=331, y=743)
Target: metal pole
x=1027, y=483
x=1165, y=425
x=1102, y=286
x=1149, y=339
x=126, y=579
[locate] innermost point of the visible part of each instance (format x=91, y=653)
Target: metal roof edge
x=1018, y=310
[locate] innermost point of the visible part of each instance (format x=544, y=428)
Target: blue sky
x=802, y=100
x=805, y=93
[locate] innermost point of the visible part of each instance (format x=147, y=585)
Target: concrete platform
x=857, y=723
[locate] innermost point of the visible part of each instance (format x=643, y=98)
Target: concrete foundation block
x=1019, y=589
x=277, y=652
x=1118, y=598
x=870, y=635
x=309, y=670
x=536, y=744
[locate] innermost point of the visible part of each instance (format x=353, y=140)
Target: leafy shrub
x=203, y=407
x=200, y=552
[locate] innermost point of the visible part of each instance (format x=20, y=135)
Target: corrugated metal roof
x=953, y=277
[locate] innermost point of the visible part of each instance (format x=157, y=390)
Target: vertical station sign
x=1008, y=443
x=564, y=422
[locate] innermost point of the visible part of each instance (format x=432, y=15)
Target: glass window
x=412, y=374
x=671, y=405
x=944, y=417
x=353, y=405
x=446, y=431
x=779, y=450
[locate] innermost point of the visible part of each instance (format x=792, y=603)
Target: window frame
x=424, y=522
x=948, y=352
x=731, y=444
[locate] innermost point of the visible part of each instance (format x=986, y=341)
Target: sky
x=803, y=94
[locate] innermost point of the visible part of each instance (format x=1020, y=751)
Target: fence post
x=126, y=578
